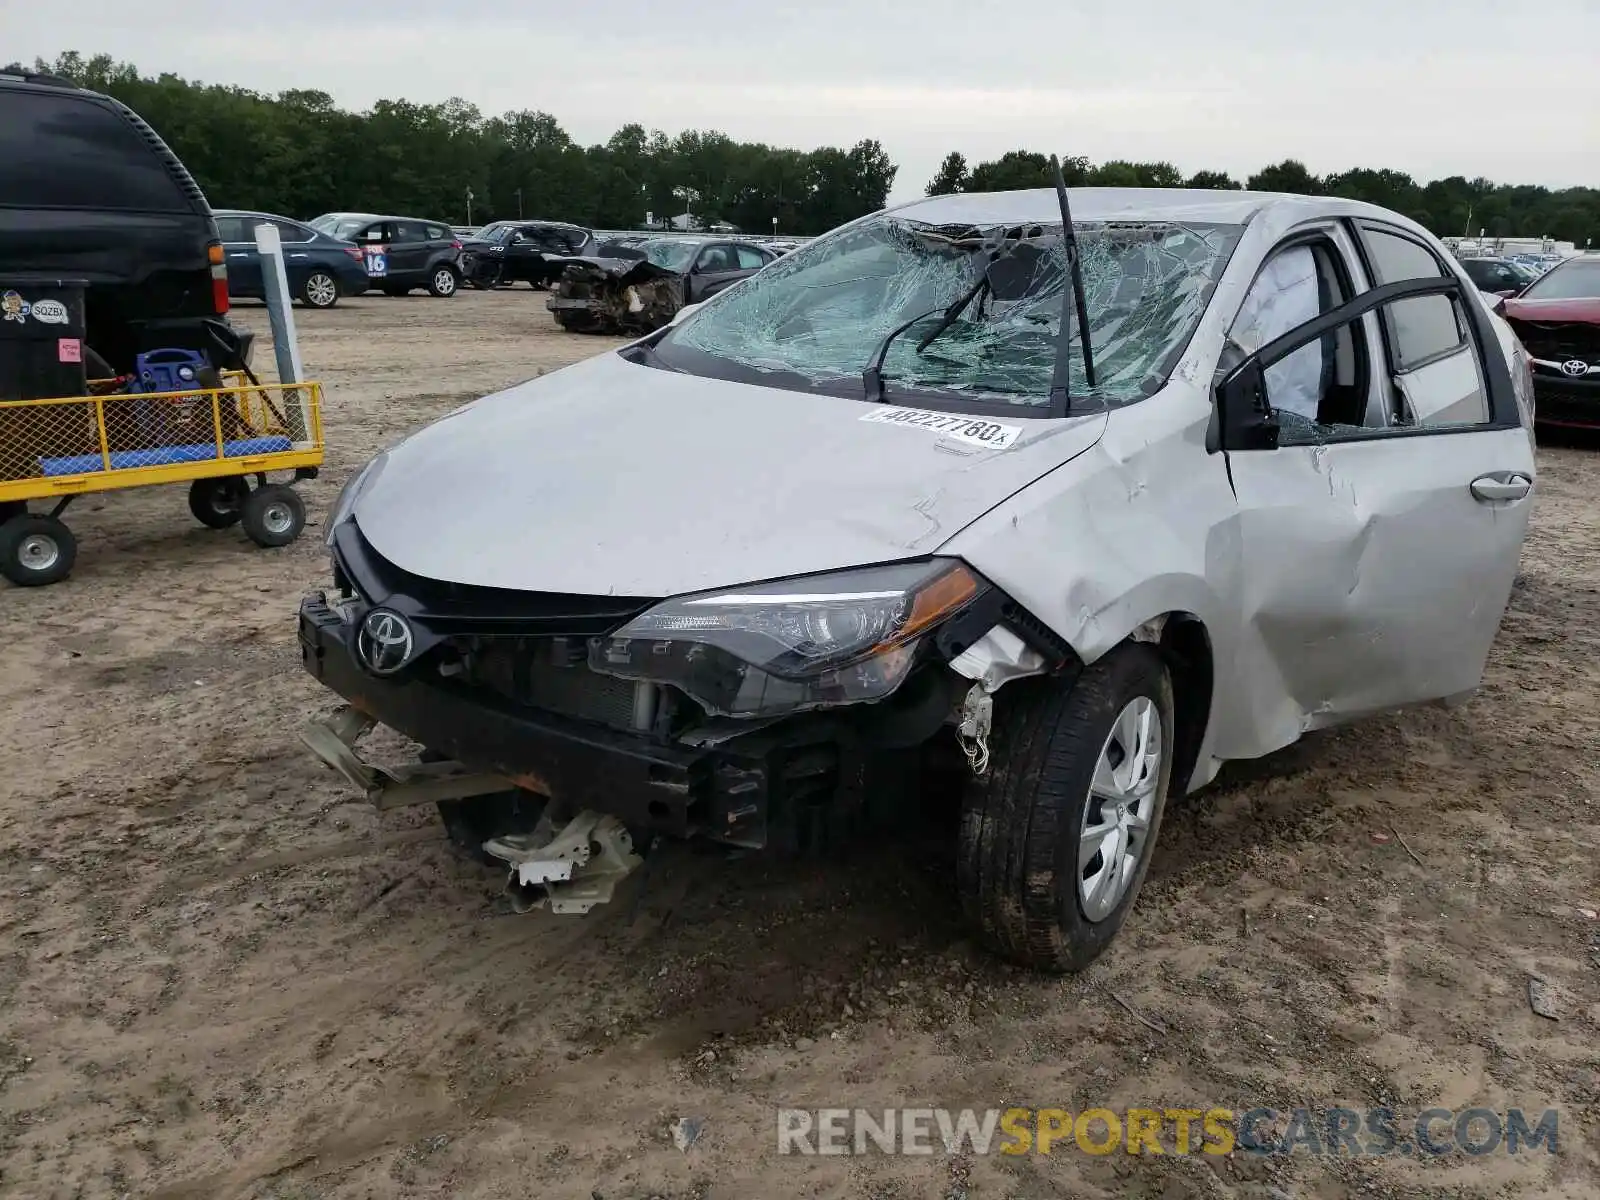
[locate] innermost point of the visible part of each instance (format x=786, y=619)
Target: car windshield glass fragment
x=814, y=317
x=347, y=228
x=1571, y=281
x=670, y=256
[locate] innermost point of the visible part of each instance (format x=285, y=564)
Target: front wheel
x=1056, y=838
x=443, y=283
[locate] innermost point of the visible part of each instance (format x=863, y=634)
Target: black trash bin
x=41, y=338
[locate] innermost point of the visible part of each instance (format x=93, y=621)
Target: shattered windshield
x=492, y=233
x=670, y=256
x=815, y=317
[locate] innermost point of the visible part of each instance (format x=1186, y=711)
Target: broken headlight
x=775, y=648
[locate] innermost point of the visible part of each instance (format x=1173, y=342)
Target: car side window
x=289, y=231
x=1436, y=379
x=750, y=259
x=1423, y=327
x=1320, y=389
x=438, y=234
x=234, y=229
x=715, y=258
x=374, y=234
x=409, y=231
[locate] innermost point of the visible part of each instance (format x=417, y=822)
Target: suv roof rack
x=37, y=77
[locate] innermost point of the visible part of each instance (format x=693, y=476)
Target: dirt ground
x=222, y=975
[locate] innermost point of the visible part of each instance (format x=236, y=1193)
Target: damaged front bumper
x=616, y=294
x=729, y=793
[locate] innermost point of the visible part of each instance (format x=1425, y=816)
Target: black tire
x=1017, y=866
x=443, y=281
x=273, y=515
x=216, y=503
x=320, y=290
x=36, y=550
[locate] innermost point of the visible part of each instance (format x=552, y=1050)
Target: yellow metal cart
x=218, y=440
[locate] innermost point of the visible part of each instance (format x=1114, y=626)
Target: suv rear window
x=65, y=151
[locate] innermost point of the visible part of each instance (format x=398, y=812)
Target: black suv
x=402, y=253
x=511, y=250
x=90, y=192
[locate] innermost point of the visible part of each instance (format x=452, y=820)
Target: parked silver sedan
x=1099, y=502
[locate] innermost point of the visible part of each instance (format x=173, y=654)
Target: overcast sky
x=1431, y=87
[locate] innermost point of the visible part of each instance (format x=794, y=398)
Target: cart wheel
x=273, y=515
x=36, y=550
x=215, y=503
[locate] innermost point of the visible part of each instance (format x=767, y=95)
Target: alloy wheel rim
x=1116, y=818
x=321, y=290
x=445, y=282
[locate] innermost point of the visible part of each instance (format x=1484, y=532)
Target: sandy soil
x=221, y=975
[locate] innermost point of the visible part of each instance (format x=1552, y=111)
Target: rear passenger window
x=1422, y=328
x=288, y=231
x=751, y=259
x=233, y=229
x=64, y=151
x=435, y=234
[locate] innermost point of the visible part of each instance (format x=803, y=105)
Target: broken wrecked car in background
x=1557, y=319
x=639, y=289
x=911, y=490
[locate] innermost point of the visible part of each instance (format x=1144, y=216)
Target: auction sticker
x=975, y=431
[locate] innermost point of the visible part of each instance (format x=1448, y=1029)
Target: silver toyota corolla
x=1101, y=502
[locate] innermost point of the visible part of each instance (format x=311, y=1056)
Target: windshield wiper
x=1060, y=389
x=872, y=377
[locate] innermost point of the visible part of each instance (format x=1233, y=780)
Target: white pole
x=280, y=304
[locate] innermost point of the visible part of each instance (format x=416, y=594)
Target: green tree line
x=1449, y=207
x=298, y=153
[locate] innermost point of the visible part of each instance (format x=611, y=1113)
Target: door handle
x=239, y=254
x=1501, y=486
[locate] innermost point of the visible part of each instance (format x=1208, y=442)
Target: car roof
x=1178, y=205
x=256, y=212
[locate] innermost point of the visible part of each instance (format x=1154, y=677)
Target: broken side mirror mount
x=1245, y=419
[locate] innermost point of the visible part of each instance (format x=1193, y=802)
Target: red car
x=1557, y=319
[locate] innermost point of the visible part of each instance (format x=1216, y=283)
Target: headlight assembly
x=775, y=648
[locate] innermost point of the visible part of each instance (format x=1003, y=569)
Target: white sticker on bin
x=975, y=431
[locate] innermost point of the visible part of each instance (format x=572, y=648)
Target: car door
x=408, y=252
x=298, y=257
x=243, y=260
x=376, y=241
x=524, y=254
x=715, y=267
x=1382, y=475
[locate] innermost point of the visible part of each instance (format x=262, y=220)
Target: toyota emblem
x=385, y=642
x=1575, y=366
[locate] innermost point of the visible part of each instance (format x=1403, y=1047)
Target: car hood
x=1584, y=309
x=612, y=478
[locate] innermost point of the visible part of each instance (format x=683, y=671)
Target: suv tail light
x=219, y=278
x=456, y=245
